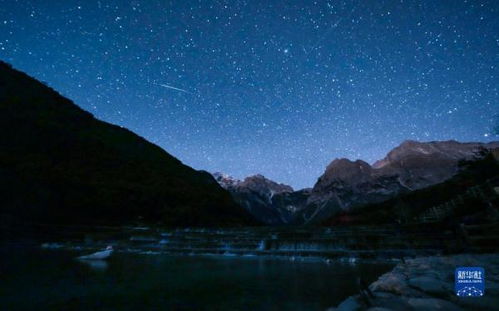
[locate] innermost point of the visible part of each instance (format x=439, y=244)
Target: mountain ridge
x=59, y=164
x=269, y=202
x=346, y=184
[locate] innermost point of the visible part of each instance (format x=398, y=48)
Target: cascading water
x=298, y=242
x=261, y=245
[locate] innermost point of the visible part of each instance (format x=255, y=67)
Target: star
x=262, y=87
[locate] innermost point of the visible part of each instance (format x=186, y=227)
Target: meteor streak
x=174, y=88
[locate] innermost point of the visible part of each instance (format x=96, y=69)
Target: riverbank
x=427, y=283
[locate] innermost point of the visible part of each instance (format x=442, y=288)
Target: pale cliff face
x=346, y=184
x=268, y=201
x=410, y=166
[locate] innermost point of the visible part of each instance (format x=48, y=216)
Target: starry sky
x=274, y=87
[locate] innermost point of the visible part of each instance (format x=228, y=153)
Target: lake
x=32, y=278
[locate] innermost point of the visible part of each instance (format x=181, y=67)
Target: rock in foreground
x=427, y=283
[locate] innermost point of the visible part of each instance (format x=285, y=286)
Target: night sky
x=279, y=88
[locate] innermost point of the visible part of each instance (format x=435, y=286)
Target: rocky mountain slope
x=349, y=184
x=470, y=196
x=412, y=165
x=269, y=202
x=58, y=164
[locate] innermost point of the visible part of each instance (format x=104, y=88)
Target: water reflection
x=97, y=265
x=131, y=281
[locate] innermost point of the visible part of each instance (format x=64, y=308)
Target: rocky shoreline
x=427, y=283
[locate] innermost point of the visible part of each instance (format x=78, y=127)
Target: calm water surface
x=37, y=279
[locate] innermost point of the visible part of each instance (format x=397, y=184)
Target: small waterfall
x=261, y=245
x=293, y=242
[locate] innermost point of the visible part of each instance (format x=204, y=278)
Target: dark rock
x=430, y=285
x=432, y=304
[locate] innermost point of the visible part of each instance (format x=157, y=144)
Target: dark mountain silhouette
x=60, y=165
